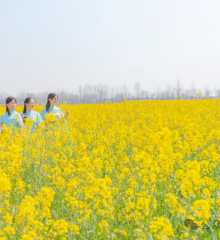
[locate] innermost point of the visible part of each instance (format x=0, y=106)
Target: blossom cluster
x=131, y=170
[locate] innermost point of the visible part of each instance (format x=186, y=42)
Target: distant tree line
x=99, y=93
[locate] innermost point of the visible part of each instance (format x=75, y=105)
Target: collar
x=12, y=111
x=52, y=107
x=29, y=111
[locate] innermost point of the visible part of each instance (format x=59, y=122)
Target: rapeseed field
x=132, y=170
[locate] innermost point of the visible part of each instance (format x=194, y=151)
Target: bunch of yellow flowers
x=131, y=170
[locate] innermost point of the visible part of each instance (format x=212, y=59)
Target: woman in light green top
x=52, y=99
x=28, y=113
x=11, y=118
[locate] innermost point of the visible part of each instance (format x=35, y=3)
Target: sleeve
x=42, y=113
x=59, y=109
x=62, y=114
x=39, y=119
x=20, y=119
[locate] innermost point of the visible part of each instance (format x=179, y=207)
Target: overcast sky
x=46, y=45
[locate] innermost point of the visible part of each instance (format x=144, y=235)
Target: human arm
x=39, y=119
x=42, y=114
x=23, y=115
x=67, y=114
x=20, y=124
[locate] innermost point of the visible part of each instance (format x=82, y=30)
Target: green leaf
x=138, y=232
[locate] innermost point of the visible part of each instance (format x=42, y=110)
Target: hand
x=23, y=116
x=67, y=113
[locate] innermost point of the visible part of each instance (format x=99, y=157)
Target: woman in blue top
x=35, y=117
x=52, y=99
x=11, y=118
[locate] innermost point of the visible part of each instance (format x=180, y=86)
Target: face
x=54, y=100
x=11, y=106
x=31, y=104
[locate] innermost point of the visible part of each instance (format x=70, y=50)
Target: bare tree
x=125, y=91
x=86, y=92
x=137, y=89
x=179, y=88
x=98, y=93
x=80, y=93
x=168, y=92
x=216, y=92
x=193, y=91
x=207, y=91
x=105, y=92
x=20, y=97
x=157, y=93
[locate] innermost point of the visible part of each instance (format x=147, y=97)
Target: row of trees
x=99, y=93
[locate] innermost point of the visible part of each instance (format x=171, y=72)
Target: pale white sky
x=47, y=45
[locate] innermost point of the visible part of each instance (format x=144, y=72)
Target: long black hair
x=7, y=101
x=50, y=96
x=27, y=100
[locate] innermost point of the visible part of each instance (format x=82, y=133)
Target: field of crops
x=133, y=170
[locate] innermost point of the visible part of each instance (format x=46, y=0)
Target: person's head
x=52, y=99
x=10, y=104
x=29, y=104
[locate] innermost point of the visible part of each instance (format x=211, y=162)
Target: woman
x=11, y=118
x=52, y=99
x=29, y=104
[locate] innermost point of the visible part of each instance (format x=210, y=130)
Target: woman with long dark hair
x=52, y=99
x=28, y=112
x=11, y=118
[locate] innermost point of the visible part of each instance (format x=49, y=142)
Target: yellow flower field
x=132, y=170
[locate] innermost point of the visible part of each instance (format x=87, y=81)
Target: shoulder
x=37, y=114
x=4, y=114
x=18, y=114
x=43, y=110
x=58, y=109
